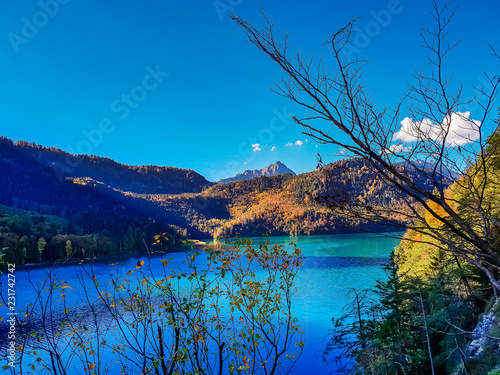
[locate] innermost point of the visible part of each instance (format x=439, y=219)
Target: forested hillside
x=286, y=204
x=99, y=219
x=437, y=311
x=95, y=195
x=27, y=237
x=138, y=179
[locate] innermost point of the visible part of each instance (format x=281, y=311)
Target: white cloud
x=256, y=147
x=297, y=143
x=273, y=148
x=399, y=148
x=462, y=130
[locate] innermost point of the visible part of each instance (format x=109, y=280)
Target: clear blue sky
x=210, y=100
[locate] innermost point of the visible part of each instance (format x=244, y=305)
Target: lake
x=332, y=265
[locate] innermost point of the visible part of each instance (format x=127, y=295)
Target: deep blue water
x=332, y=265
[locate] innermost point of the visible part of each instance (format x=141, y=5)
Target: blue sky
x=176, y=83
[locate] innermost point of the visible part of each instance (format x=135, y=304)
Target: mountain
x=275, y=169
x=93, y=193
x=124, y=207
x=285, y=204
x=428, y=165
x=41, y=201
x=138, y=179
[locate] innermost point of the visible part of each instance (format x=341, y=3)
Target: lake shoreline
x=332, y=264
x=100, y=259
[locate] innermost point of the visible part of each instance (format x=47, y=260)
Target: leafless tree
x=435, y=142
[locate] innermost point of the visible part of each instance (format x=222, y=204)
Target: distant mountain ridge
x=92, y=192
x=287, y=205
x=96, y=194
x=138, y=179
x=274, y=169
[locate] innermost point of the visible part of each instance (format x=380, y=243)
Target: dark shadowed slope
x=137, y=179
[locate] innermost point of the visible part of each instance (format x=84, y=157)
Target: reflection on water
x=332, y=264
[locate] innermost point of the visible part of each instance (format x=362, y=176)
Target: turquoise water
x=332, y=265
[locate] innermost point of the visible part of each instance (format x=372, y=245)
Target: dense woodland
x=286, y=204
x=435, y=313
x=28, y=237
x=39, y=206
x=105, y=201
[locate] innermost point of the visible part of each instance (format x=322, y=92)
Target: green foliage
x=396, y=330
x=393, y=337
x=453, y=292
x=27, y=237
x=69, y=249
